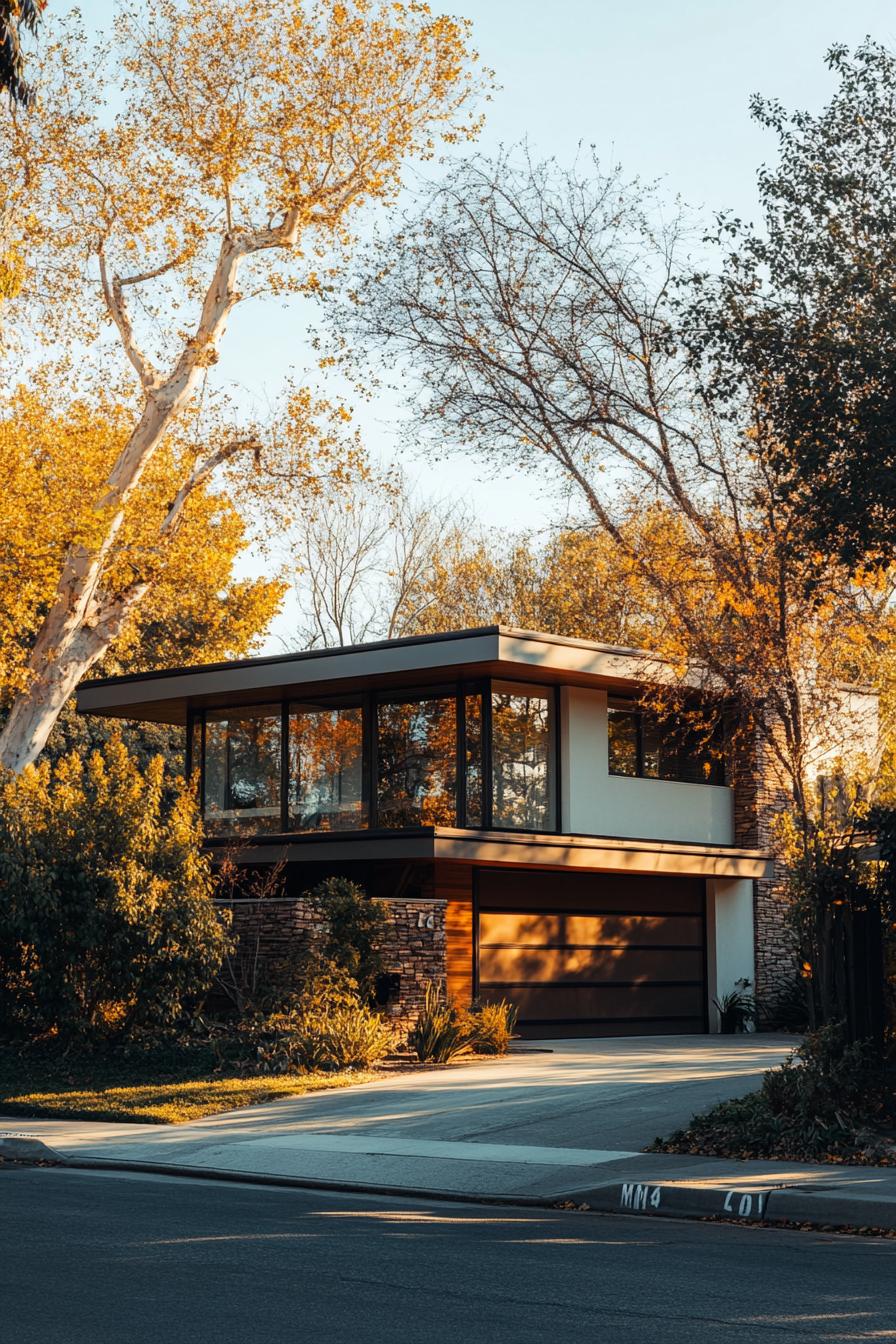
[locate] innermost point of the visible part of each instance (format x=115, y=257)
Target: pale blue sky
x=662, y=86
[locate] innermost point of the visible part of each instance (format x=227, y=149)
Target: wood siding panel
x=454, y=885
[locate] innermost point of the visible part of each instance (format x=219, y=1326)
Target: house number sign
x=635, y=1197
x=425, y=921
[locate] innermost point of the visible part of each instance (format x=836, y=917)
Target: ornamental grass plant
x=443, y=1032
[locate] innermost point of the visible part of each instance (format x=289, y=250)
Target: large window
x=243, y=770
x=476, y=755
x=640, y=745
x=523, y=784
x=474, y=803
x=326, y=767
x=417, y=762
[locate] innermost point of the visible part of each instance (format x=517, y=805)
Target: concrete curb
x=26, y=1148
x=822, y=1209
x=773, y=1205
x=662, y=1200
x=301, y=1182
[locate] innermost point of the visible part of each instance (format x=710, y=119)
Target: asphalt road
x=91, y=1258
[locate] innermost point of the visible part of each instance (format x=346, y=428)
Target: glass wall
x=326, y=767
x=454, y=756
x=474, y=803
x=642, y=745
x=523, y=785
x=416, y=748
x=243, y=770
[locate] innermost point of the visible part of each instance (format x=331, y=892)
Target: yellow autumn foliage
x=230, y=149
x=53, y=461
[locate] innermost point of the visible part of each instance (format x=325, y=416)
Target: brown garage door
x=593, y=954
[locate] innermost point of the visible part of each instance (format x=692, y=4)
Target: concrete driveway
x=550, y=1111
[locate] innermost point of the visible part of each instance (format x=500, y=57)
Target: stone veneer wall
x=759, y=798
x=416, y=947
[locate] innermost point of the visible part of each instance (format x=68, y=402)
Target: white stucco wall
x=849, y=736
x=594, y=802
x=729, y=938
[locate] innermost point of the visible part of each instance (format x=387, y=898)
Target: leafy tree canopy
x=14, y=16
x=235, y=145
x=53, y=456
x=107, y=922
x=801, y=322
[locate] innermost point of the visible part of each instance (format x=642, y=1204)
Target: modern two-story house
x=535, y=834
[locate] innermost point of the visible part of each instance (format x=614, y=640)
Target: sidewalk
x=511, y=1130
x=608, y=1181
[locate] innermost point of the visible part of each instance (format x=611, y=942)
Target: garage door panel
x=558, y=1003
x=609, y=964
x=593, y=954
x=528, y=929
x=501, y=889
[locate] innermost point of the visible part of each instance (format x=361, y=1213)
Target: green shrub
x=107, y=923
x=329, y=1027
x=736, y=1009
x=827, y=1100
x=354, y=928
x=827, y=1090
x=441, y=1033
x=493, y=1026
x=330, y=987
x=356, y=1036
x=350, y=1036
x=789, y=1010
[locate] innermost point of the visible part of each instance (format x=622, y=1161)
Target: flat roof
x=415, y=660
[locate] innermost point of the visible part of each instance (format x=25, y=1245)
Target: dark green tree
x=107, y=919
x=354, y=930
x=16, y=15
x=800, y=320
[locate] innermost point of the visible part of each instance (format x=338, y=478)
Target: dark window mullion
x=284, y=767
x=202, y=753
x=556, y=762
x=487, y=755
x=371, y=766
x=460, y=783
x=228, y=801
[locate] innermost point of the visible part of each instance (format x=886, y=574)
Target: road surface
x=102, y=1258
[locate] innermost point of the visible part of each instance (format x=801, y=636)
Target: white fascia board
x=580, y=657
x=258, y=677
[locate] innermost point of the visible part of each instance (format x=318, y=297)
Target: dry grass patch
x=151, y=1090
x=172, y=1103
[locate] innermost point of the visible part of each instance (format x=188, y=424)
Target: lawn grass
x=144, y=1090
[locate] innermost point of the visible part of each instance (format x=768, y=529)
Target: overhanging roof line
x=609, y=854
x=488, y=650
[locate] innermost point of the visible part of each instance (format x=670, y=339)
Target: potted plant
x=736, y=1009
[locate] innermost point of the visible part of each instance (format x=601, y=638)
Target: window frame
x=552, y=694
x=459, y=690
x=412, y=696
x=199, y=717
x=318, y=704
x=637, y=713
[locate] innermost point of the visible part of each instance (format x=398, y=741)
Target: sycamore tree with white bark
x=206, y=155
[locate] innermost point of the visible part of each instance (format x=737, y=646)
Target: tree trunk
x=36, y=709
x=82, y=622
x=64, y=653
